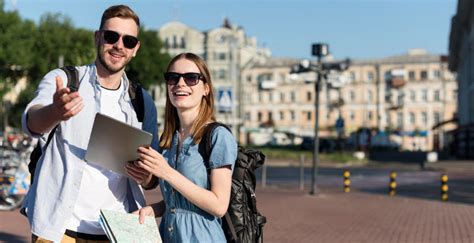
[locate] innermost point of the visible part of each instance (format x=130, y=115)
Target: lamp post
x=319, y=50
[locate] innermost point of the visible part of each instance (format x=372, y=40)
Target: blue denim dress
x=182, y=220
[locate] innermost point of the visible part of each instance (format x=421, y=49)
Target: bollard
x=393, y=184
x=444, y=187
x=347, y=181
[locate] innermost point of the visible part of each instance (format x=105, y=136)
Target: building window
x=351, y=115
x=270, y=96
x=412, y=118
x=352, y=76
x=437, y=117
x=369, y=115
x=424, y=75
x=175, y=42
x=293, y=116
x=399, y=119
x=411, y=75
x=424, y=95
x=293, y=96
x=167, y=43
x=352, y=96
x=308, y=116
x=270, y=116
x=259, y=116
x=222, y=74
x=436, y=74
x=455, y=94
x=436, y=95
x=260, y=97
x=369, y=95
x=424, y=118
x=222, y=56
x=308, y=96
x=400, y=98
x=387, y=75
x=247, y=116
x=412, y=95
x=370, y=76
x=282, y=116
x=249, y=78
x=183, y=43
x=282, y=97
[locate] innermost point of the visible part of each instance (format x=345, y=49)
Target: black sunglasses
x=111, y=37
x=190, y=79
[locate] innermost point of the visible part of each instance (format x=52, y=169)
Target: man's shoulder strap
x=136, y=95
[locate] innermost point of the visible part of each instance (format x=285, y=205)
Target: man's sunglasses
x=111, y=37
x=190, y=79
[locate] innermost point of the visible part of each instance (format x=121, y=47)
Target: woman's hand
x=154, y=210
x=143, y=212
x=153, y=162
x=140, y=175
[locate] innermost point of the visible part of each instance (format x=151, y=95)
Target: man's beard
x=109, y=68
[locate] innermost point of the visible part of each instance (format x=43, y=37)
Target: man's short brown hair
x=121, y=11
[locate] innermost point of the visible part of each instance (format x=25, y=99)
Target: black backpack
x=242, y=222
x=73, y=82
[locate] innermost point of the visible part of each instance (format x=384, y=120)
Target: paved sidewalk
x=295, y=216
x=333, y=216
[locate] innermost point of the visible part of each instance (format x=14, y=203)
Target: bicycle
x=14, y=177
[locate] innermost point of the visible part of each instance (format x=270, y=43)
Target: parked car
x=326, y=145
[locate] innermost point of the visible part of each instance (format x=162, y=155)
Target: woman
x=195, y=195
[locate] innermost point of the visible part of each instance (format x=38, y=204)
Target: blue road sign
x=224, y=99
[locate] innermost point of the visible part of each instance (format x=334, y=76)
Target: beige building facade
x=408, y=94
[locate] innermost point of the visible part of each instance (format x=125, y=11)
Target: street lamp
x=319, y=50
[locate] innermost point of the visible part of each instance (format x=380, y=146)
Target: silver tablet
x=113, y=143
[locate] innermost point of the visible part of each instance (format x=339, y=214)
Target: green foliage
x=150, y=63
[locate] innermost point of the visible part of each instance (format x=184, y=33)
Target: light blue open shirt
x=51, y=198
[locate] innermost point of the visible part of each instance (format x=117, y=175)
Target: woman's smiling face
x=183, y=96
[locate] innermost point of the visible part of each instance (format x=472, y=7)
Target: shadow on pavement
x=7, y=237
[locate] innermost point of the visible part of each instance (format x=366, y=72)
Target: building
x=407, y=95
x=461, y=61
x=227, y=51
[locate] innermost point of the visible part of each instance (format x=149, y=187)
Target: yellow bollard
x=393, y=184
x=347, y=181
x=444, y=187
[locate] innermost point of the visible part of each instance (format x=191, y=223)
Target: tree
x=150, y=63
x=54, y=37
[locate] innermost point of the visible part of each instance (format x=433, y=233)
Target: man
x=64, y=201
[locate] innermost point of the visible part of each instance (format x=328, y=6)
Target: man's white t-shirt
x=100, y=188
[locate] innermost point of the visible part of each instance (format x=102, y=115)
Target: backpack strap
x=135, y=91
x=205, y=146
x=205, y=149
x=72, y=77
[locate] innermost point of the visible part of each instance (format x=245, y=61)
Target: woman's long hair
x=206, y=109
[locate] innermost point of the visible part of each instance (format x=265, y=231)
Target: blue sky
x=353, y=28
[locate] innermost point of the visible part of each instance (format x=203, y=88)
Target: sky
x=357, y=29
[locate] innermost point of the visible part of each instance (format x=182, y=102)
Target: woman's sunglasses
x=190, y=79
x=111, y=37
